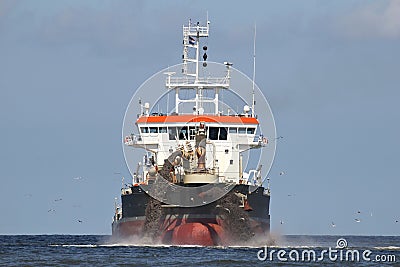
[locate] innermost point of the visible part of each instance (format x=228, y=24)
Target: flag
x=191, y=40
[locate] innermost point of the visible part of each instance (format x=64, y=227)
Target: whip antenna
x=254, y=70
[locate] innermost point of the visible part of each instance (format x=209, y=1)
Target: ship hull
x=223, y=222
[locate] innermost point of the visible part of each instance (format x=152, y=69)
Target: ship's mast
x=191, y=78
x=191, y=39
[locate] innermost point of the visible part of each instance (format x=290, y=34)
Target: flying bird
x=282, y=173
x=80, y=221
x=78, y=178
x=279, y=137
x=281, y=222
x=58, y=199
x=51, y=210
x=357, y=220
x=333, y=224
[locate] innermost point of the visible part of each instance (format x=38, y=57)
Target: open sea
x=98, y=250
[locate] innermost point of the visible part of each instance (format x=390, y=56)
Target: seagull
x=78, y=178
x=282, y=173
x=227, y=210
x=80, y=221
x=51, y=210
x=333, y=224
x=397, y=221
x=358, y=212
x=242, y=219
x=279, y=137
x=58, y=199
x=357, y=220
x=281, y=221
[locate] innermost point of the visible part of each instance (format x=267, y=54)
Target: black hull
x=223, y=222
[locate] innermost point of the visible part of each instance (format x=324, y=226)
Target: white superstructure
x=211, y=143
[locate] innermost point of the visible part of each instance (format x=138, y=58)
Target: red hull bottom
x=202, y=231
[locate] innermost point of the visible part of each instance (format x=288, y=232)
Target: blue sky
x=329, y=70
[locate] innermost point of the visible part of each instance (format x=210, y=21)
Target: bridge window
x=223, y=134
x=144, y=129
x=192, y=132
x=153, y=130
x=172, y=133
x=250, y=130
x=183, y=133
x=213, y=133
x=163, y=130
x=233, y=130
x=218, y=133
x=242, y=130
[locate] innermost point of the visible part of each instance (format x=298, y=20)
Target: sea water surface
x=99, y=250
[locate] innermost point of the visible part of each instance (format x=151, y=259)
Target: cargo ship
x=195, y=180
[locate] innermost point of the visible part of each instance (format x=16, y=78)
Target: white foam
x=76, y=245
x=387, y=248
x=133, y=245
